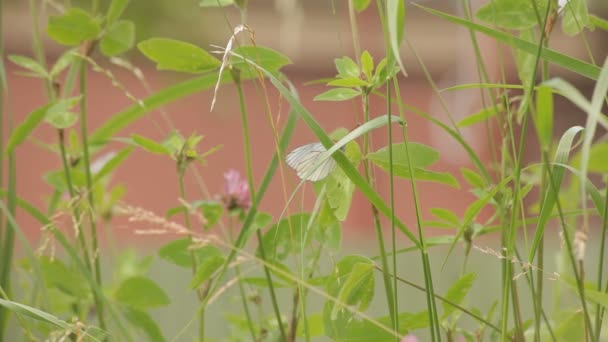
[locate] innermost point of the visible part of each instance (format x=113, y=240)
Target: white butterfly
x=304, y=158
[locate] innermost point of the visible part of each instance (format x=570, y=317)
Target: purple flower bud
x=236, y=191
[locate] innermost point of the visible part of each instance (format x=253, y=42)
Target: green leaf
x=549, y=198
x=285, y=237
x=474, y=179
x=209, y=264
x=361, y=5
x=598, y=22
x=339, y=193
x=510, y=14
x=142, y=320
x=482, y=115
x=337, y=94
x=456, y=293
x=29, y=64
x=149, y=145
x=212, y=211
x=572, y=64
x=544, y=116
x=176, y=252
x=357, y=288
x=421, y=156
x=176, y=55
x=61, y=120
x=264, y=57
x=34, y=313
x=571, y=327
x=367, y=65
x=215, y=3
x=362, y=331
x=446, y=215
x=64, y=61
x=119, y=38
x=141, y=293
x=347, y=82
x=346, y=67
x=33, y=119
x=57, y=275
x=117, y=7
x=396, y=27
x=73, y=27
x=112, y=164
x=575, y=17
x=598, y=158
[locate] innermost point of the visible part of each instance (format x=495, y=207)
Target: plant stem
x=89, y=191
x=273, y=298
x=599, y=310
x=392, y=203
x=181, y=169
x=390, y=298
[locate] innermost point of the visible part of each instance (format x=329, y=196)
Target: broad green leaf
x=211, y=210
x=510, y=14
x=119, y=38
x=177, y=252
x=367, y=65
x=29, y=64
x=456, y=293
x=73, y=27
x=575, y=17
x=361, y=5
x=362, y=331
x=395, y=10
x=142, y=320
x=61, y=120
x=421, y=156
x=129, y=265
x=149, y=145
x=117, y=7
x=264, y=57
x=338, y=94
x=473, y=178
x=141, y=293
x=526, y=62
x=446, y=215
x=544, y=116
x=347, y=82
x=571, y=327
x=57, y=275
x=208, y=265
x=482, y=115
x=347, y=68
x=358, y=288
x=176, y=55
x=314, y=324
x=64, y=61
x=215, y=3
x=285, y=237
x=572, y=64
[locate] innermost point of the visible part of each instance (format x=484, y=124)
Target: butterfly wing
x=305, y=157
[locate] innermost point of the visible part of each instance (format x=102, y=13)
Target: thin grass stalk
x=273, y=297
x=599, y=310
x=3, y=90
x=242, y=292
x=390, y=298
x=579, y=281
x=248, y=162
x=392, y=204
x=73, y=204
x=182, y=194
x=428, y=278
x=89, y=190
